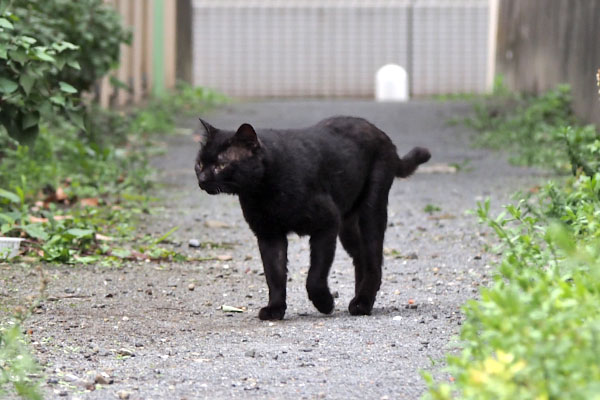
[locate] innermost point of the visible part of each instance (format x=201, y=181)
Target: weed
x=531, y=129
x=431, y=208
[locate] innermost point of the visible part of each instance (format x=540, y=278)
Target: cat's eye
x=218, y=168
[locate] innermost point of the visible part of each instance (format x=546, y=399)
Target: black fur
x=329, y=180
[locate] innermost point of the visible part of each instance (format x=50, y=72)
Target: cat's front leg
x=273, y=251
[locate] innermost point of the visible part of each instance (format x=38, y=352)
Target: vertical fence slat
x=170, y=16
x=123, y=72
x=147, y=46
x=105, y=87
x=137, y=47
x=149, y=65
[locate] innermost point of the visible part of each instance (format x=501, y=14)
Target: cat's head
x=229, y=162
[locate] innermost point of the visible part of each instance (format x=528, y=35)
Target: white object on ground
x=391, y=83
x=9, y=247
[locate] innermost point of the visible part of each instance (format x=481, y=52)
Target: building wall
x=314, y=48
x=542, y=43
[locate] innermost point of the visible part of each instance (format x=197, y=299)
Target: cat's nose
x=202, y=176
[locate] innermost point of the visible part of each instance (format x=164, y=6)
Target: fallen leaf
x=443, y=216
x=104, y=238
x=125, y=352
x=224, y=257
x=89, y=202
x=139, y=256
x=231, y=309
x=441, y=168
x=216, y=224
x=62, y=217
x=36, y=220
x=60, y=194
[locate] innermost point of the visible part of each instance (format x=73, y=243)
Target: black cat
x=325, y=181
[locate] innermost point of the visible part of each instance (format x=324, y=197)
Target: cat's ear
x=246, y=135
x=207, y=132
x=207, y=127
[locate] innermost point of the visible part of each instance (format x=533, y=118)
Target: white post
x=391, y=83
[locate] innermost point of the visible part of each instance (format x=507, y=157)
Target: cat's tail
x=408, y=164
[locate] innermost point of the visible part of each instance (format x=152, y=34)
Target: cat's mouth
x=210, y=189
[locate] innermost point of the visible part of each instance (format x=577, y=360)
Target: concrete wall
x=545, y=42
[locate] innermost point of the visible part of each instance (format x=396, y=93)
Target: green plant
x=74, y=189
x=16, y=364
x=30, y=86
x=17, y=367
x=91, y=25
x=530, y=128
x=535, y=333
x=431, y=208
x=159, y=114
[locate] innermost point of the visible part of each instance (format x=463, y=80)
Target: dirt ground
x=157, y=330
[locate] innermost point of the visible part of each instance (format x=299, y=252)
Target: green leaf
x=4, y=5
x=74, y=64
x=77, y=119
x=60, y=100
x=7, y=86
x=26, y=82
x=19, y=56
x=10, y=196
x=36, y=231
x=65, y=87
x=80, y=233
x=166, y=235
x=9, y=219
x=40, y=52
x=120, y=253
x=61, y=46
x=31, y=119
x=28, y=39
x=4, y=23
x=3, y=51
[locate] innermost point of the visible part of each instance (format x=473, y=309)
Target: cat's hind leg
x=352, y=242
x=273, y=251
x=372, y=222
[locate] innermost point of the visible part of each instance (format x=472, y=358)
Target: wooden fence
x=542, y=43
x=147, y=66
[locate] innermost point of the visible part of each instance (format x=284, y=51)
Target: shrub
x=17, y=364
x=535, y=333
x=530, y=129
x=30, y=86
x=91, y=25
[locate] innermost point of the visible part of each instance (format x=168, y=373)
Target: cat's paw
x=324, y=302
x=321, y=297
x=271, y=313
x=360, y=306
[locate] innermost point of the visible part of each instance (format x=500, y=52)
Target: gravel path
x=156, y=331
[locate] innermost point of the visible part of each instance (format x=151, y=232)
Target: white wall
x=330, y=48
